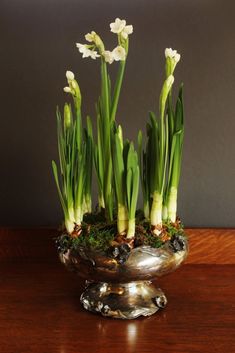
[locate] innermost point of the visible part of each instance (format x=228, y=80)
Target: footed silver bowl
x=124, y=290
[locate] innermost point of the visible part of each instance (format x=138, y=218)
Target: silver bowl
x=124, y=290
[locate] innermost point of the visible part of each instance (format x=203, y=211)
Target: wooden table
x=40, y=310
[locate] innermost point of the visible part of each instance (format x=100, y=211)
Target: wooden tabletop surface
x=40, y=311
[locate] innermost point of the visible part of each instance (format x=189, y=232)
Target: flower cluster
x=73, y=88
x=172, y=58
x=96, y=48
x=172, y=54
x=71, y=83
x=118, y=54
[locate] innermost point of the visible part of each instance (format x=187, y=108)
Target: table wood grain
x=207, y=246
x=40, y=309
x=40, y=313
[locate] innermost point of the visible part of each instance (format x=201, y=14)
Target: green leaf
x=135, y=189
x=117, y=89
x=129, y=189
x=55, y=172
x=118, y=167
x=140, y=155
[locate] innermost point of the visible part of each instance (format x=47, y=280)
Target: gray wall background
x=37, y=46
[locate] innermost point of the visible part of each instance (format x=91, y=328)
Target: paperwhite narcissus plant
x=116, y=161
x=75, y=154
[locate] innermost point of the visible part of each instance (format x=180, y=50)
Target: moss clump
x=96, y=236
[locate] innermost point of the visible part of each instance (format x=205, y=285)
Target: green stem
x=101, y=202
x=156, y=210
x=131, y=228
x=70, y=221
x=104, y=78
x=164, y=212
x=117, y=89
x=172, y=204
x=69, y=225
x=106, y=152
x=122, y=219
x=146, y=209
x=78, y=215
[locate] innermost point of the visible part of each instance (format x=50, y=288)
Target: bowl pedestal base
x=123, y=300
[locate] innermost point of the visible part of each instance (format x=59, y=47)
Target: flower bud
x=67, y=90
x=76, y=94
x=119, y=134
x=67, y=116
x=170, y=81
x=69, y=75
x=164, y=93
x=95, y=38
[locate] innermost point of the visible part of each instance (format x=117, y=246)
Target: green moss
x=96, y=236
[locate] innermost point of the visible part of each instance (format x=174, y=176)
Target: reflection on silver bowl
x=124, y=290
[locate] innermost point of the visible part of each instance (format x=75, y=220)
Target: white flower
x=94, y=54
x=67, y=89
x=117, y=26
x=86, y=52
x=126, y=31
x=177, y=57
x=69, y=75
x=83, y=49
x=90, y=37
x=108, y=56
x=172, y=54
x=93, y=37
x=119, y=53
